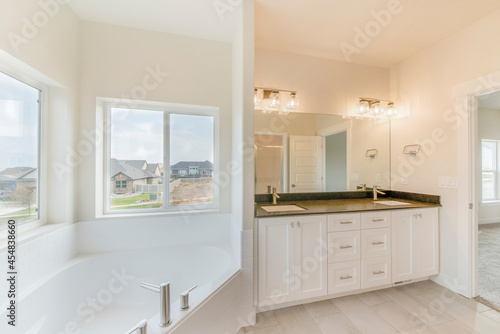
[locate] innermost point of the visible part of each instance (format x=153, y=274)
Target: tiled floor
x=422, y=307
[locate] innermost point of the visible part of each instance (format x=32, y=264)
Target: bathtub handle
x=185, y=298
x=140, y=328
x=164, y=290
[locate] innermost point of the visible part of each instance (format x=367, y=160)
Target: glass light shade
x=293, y=101
x=257, y=99
x=364, y=107
x=391, y=110
x=274, y=100
x=376, y=109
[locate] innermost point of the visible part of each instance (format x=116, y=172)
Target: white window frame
x=42, y=146
x=167, y=109
x=493, y=171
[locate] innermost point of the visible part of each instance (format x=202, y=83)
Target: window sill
x=158, y=213
x=490, y=203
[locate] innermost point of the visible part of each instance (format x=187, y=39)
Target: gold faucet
x=275, y=196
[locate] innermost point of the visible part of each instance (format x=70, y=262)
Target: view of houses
x=139, y=184
x=18, y=192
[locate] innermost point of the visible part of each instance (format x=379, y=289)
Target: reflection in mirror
x=302, y=152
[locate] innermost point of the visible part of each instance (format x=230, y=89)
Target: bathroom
x=115, y=96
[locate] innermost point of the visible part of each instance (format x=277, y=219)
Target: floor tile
x=425, y=311
x=296, y=320
x=269, y=330
x=398, y=317
x=492, y=314
x=366, y=320
x=336, y=323
x=321, y=309
x=373, y=298
x=266, y=319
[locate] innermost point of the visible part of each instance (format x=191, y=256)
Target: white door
x=311, y=264
x=426, y=230
x=306, y=164
x=402, y=245
x=276, y=260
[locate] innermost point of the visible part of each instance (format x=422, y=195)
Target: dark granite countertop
x=346, y=205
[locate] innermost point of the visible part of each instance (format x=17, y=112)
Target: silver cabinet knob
x=293, y=185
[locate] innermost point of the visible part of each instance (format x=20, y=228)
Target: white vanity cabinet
x=292, y=258
x=415, y=244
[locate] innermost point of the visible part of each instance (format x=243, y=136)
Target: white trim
x=22, y=73
x=167, y=109
x=466, y=109
x=490, y=203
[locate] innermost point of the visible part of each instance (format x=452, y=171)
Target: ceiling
x=195, y=18
x=490, y=101
x=319, y=27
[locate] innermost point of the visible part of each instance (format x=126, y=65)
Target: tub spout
x=164, y=290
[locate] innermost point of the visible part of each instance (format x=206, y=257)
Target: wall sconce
x=371, y=153
x=412, y=149
x=268, y=100
x=376, y=107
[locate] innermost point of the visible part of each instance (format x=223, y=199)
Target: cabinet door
x=375, y=272
x=344, y=222
x=310, y=256
x=426, y=232
x=403, y=262
x=276, y=261
x=375, y=243
x=344, y=276
x=344, y=246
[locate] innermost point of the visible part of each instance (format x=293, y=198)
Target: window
x=19, y=151
x=176, y=140
x=489, y=170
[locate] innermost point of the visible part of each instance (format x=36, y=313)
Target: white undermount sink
x=282, y=208
x=391, y=203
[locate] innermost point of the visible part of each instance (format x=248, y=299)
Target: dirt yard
x=192, y=193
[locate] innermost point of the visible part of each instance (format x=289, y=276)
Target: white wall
x=114, y=62
x=488, y=128
x=45, y=48
x=424, y=84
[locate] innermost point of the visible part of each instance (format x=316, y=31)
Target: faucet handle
x=185, y=298
x=155, y=288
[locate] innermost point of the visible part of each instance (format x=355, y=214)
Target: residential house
x=11, y=177
x=125, y=177
x=192, y=169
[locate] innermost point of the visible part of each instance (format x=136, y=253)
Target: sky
x=138, y=135
x=18, y=123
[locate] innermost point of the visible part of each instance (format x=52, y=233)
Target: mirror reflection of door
x=306, y=164
x=336, y=162
x=269, y=159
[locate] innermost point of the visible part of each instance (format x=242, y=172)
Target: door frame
x=465, y=116
x=284, y=162
x=332, y=130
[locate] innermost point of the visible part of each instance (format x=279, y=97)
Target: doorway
x=336, y=162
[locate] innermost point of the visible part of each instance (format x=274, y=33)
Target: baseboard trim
x=485, y=221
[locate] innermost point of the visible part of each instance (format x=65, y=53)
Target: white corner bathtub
x=100, y=293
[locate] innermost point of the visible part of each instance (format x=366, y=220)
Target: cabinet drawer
x=376, y=219
x=375, y=243
x=344, y=246
x=375, y=272
x=343, y=276
x=344, y=222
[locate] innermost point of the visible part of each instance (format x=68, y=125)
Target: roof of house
x=152, y=168
x=16, y=171
x=139, y=164
x=132, y=172
x=200, y=164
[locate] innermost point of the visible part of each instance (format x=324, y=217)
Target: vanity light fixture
x=268, y=100
x=371, y=107
x=412, y=149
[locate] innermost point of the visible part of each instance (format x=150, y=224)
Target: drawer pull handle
x=417, y=215
x=378, y=243
x=345, y=247
x=378, y=220
x=378, y=272
x=343, y=223
x=345, y=277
